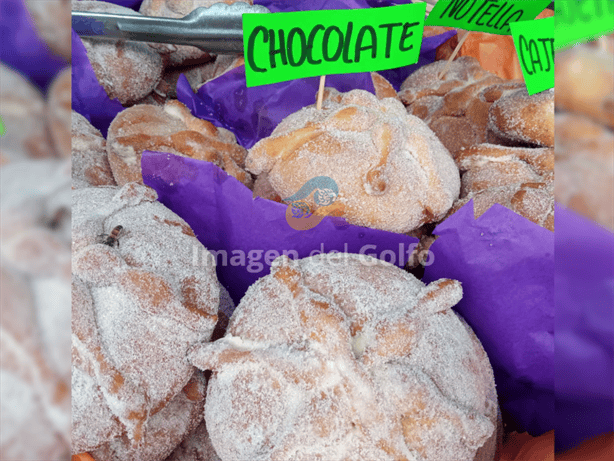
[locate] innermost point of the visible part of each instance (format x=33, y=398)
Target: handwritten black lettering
x=346, y=45
x=325, y=49
x=251, y=45
x=275, y=51
x=303, y=56
x=484, y=14
x=312, y=37
x=389, y=28
x=405, y=35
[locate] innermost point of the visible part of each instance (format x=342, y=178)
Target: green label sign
x=581, y=20
x=492, y=16
x=534, y=41
x=287, y=46
x=1, y=127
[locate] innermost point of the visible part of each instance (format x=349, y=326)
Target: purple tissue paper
x=584, y=340
x=227, y=220
x=506, y=265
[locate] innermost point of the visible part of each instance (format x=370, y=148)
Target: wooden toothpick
x=320, y=92
x=454, y=53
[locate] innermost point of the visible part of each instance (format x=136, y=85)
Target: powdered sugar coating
x=392, y=171
x=23, y=115
x=34, y=399
x=363, y=361
x=165, y=430
x=521, y=118
x=426, y=82
x=35, y=199
x=127, y=70
x=90, y=164
x=196, y=447
x=137, y=305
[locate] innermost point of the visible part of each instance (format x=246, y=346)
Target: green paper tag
x=534, y=41
x=288, y=46
x=492, y=16
x=2, y=129
x=582, y=20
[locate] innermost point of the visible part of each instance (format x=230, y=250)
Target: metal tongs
x=216, y=29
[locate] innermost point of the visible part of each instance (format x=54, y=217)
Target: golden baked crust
x=363, y=362
x=391, y=170
x=520, y=118
x=521, y=179
x=171, y=129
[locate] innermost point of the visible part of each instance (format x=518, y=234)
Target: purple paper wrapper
x=227, y=220
x=506, y=266
x=584, y=298
x=22, y=49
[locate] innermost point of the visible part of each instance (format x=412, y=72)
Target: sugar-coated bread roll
x=585, y=167
x=165, y=430
x=454, y=106
x=391, y=171
x=35, y=199
x=171, y=129
x=90, y=163
x=183, y=55
x=52, y=20
x=138, y=303
x=585, y=82
x=364, y=361
x=127, y=70
x=35, y=400
x=426, y=82
x=59, y=112
x=521, y=179
x=520, y=118
x=23, y=114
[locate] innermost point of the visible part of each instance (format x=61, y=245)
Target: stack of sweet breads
x=343, y=359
